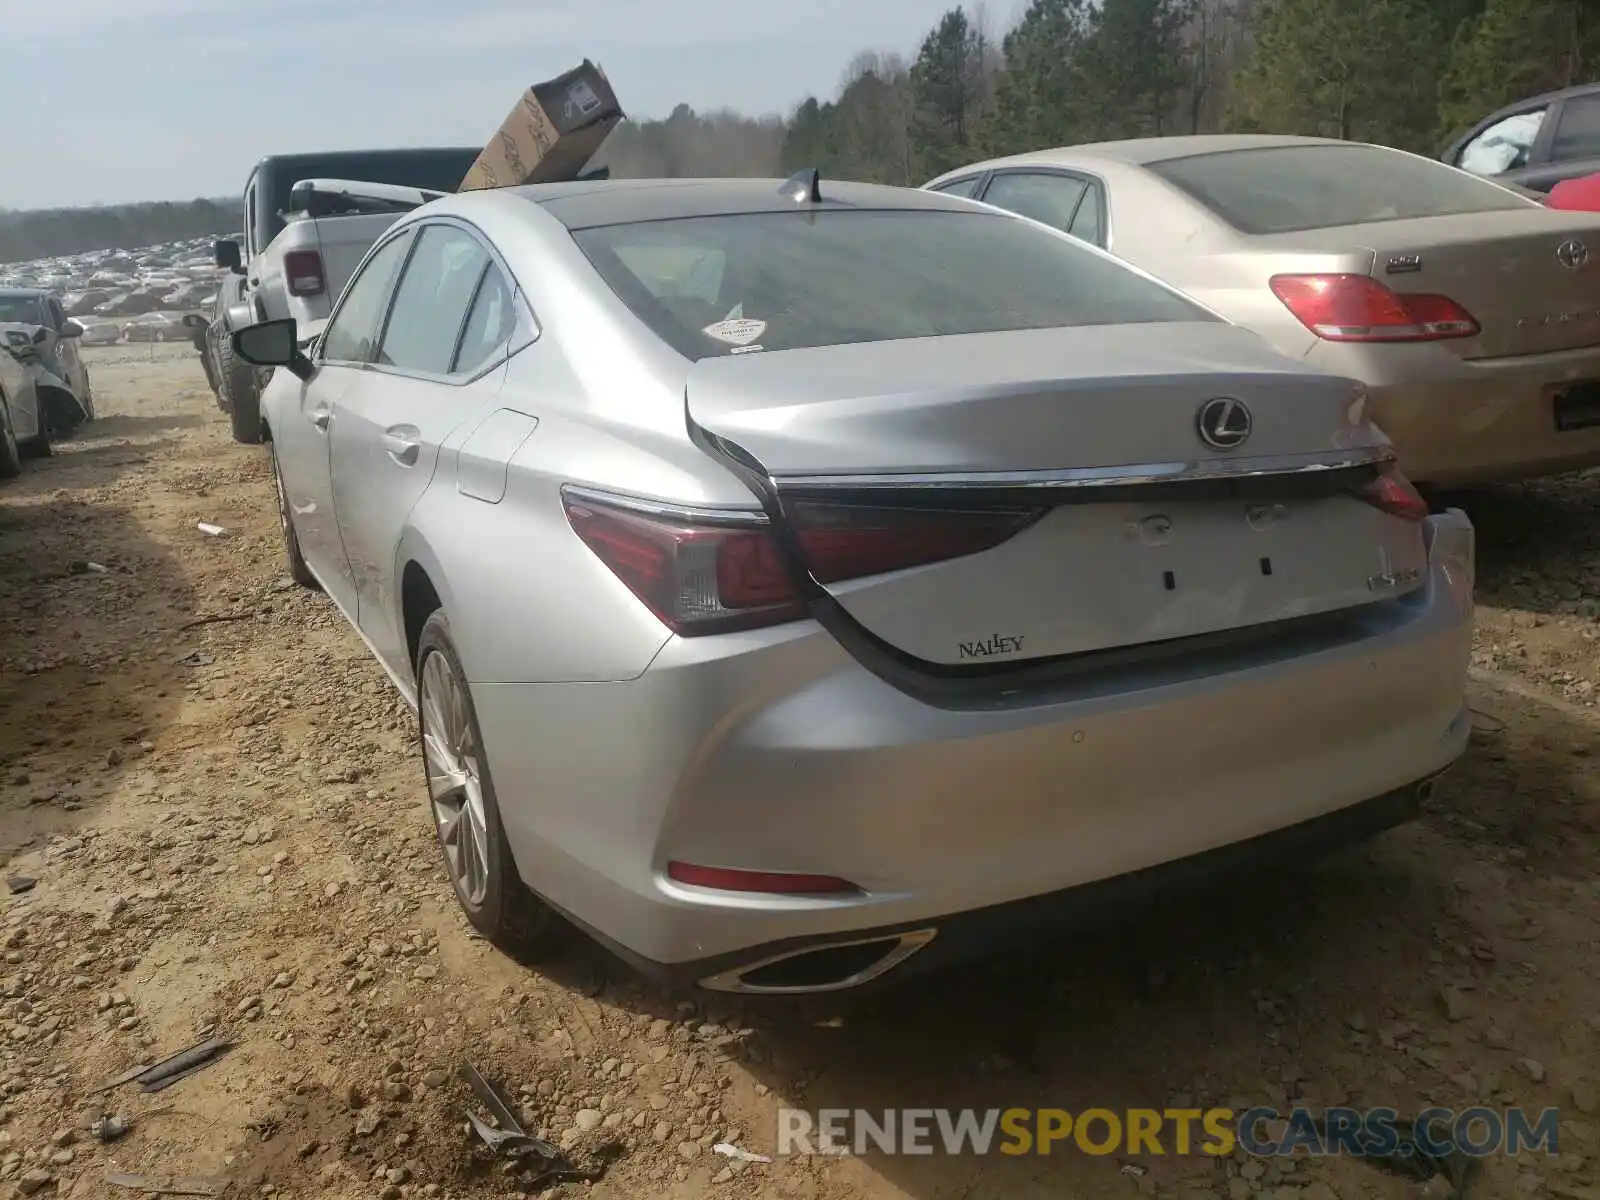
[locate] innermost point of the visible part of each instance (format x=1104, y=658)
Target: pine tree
x=1361, y=69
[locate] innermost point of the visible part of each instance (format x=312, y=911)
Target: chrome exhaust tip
x=827, y=967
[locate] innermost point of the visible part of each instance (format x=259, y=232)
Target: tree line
x=1406, y=73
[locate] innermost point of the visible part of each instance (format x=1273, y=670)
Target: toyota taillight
x=702, y=576
x=303, y=271
x=1357, y=308
x=1394, y=494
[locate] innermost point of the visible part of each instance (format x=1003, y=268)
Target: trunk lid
x=1503, y=267
x=1143, y=532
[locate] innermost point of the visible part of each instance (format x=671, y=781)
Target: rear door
x=431, y=376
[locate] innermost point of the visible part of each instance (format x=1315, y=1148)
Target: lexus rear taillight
x=1357, y=308
x=1393, y=493
x=710, y=576
x=303, y=271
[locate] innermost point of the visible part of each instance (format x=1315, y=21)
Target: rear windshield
x=787, y=281
x=1284, y=189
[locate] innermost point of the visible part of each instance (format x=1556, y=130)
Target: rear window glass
x=1283, y=189
x=787, y=281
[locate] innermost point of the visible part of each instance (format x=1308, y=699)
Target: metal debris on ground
x=738, y=1153
x=155, y=1076
x=1413, y=1161
x=511, y=1141
x=210, y=530
x=215, y=619
x=184, y=1064
x=109, y=1129
x=167, y=1185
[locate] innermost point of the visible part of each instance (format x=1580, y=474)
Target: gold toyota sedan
x=1471, y=312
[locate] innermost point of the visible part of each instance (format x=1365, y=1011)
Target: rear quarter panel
x=528, y=601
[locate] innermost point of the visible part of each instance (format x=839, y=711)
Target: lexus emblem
x=1573, y=255
x=1223, y=423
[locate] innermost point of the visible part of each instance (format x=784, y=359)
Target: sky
x=122, y=100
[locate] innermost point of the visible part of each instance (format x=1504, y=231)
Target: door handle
x=320, y=418
x=400, y=446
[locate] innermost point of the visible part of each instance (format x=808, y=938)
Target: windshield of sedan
x=748, y=282
x=1287, y=189
x=21, y=310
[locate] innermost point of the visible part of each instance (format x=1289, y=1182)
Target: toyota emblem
x=1223, y=423
x=1572, y=255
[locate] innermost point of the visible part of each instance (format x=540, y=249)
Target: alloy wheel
x=450, y=751
x=283, y=498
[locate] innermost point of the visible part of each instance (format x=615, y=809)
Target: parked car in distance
x=69, y=397
x=22, y=428
x=793, y=581
x=1536, y=142
x=1471, y=313
x=100, y=332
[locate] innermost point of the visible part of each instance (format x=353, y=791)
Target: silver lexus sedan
x=1470, y=312
x=805, y=585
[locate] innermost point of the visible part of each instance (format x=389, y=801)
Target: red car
x=1580, y=195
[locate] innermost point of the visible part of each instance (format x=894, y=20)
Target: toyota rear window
x=749, y=282
x=1287, y=189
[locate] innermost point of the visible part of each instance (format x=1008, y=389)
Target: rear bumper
x=1455, y=422
x=893, y=954
x=777, y=751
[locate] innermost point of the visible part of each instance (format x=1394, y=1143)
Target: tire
x=38, y=447
x=298, y=571
x=496, y=901
x=244, y=407
x=10, y=452
x=223, y=363
x=88, y=399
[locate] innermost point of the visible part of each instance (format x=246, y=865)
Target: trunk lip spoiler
x=1124, y=476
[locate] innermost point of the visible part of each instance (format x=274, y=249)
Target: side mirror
x=228, y=256
x=273, y=344
x=40, y=335
x=71, y=329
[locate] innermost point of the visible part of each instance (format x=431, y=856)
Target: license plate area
x=1577, y=406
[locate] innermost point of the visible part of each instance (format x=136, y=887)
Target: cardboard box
x=551, y=134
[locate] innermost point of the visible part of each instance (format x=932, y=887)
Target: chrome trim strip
x=907, y=945
x=1131, y=475
x=667, y=509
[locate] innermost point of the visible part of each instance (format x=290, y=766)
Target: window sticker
x=736, y=331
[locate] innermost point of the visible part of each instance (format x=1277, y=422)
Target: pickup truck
x=308, y=221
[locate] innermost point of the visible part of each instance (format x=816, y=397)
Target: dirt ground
x=226, y=829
